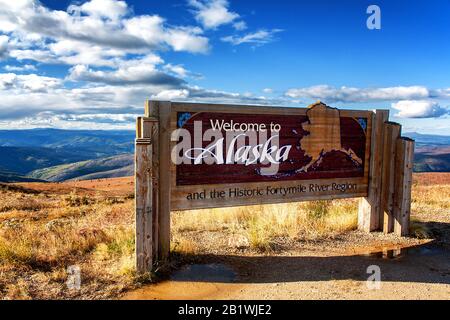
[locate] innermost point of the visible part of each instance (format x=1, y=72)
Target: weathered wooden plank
x=164, y=178
x=143, y=205
x=162, y=111
x=403, y=182
x=150, y=130
x=138, y=127
x=369, y=210
x=391, y=134
x=252, y=109
x=147, y=127
x=151, y=108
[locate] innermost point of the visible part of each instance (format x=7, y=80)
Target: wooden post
x=150, y=127
x=143, y=198
x=161, y=110
x=369, y=210
x=138, y=127
x=146, y=184
x=391, y=134
x=403, y=181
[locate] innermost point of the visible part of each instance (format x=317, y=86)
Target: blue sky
x=91, y=64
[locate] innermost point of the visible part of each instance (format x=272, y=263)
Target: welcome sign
x=193, y=156
x=222, y=156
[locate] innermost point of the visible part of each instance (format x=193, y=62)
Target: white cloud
x=212, y=13
x=98, y=24
x=268, y=90
x=3, y=46
x=259, y=37
x=419, y=109
x=25, y=67
x=351, y=94
x=70, y=121
x=240, y=25
x=187, y=39
x=171, y=95
x=31, y=82
x=178, y=69
x=110, y=9
x=113, y=59
x=132, y=72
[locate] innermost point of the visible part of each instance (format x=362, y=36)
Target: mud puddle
x=401, y=252
x=191, y=282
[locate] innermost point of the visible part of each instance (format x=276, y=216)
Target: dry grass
x=259, y=227
x=43, y=233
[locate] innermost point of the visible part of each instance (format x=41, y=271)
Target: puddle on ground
x=204, y=273
x=192, y=282
x=400, y=252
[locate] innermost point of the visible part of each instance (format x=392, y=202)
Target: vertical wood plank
x=369, y=209
x=143, y=205
x=155, y=173
x=151, y=108
x=150, y=130
x=391, y=134
x=164, y=109
x=138, y=127
x=403, y=182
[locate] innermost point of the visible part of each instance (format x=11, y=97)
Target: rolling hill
x=432, y=152
x=25, y=151
x=25, y=159
x=9, y=176
x=116, y=166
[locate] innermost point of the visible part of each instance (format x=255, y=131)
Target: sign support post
x=369, y=211
x=146, y=194
x=403, y=182
x=160, y=111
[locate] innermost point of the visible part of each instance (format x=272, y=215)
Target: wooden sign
x=191, y=156
x=267, y=155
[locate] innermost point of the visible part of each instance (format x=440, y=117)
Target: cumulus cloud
x=240, y=25
x=128, y=75
x=138, y=71
x=351, y=94
x=31, y=82
x=213, y=13
x=18, y=68
x=109, y=9
x=3, y=46
x=171, y=95
x=257, y=38
x=100, y=24
x=113, y=60
x=419, y=109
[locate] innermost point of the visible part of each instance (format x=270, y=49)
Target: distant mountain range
x=58, y=155
x=432, y=153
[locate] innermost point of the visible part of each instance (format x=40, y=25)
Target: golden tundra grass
x=42, y=234
x=257, y=227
